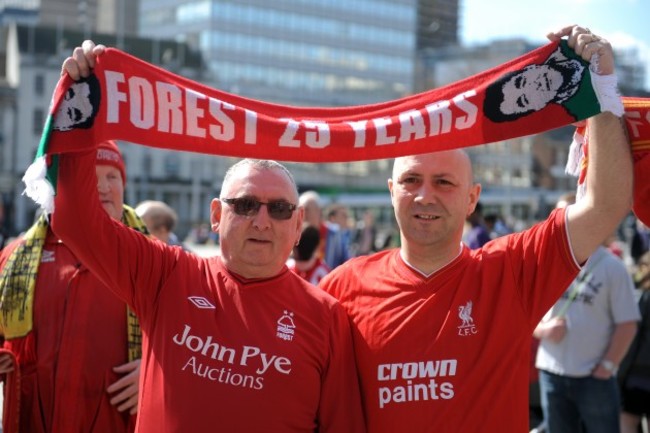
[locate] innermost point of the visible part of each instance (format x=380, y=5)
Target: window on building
x=38, y=121
x=39, y=85
x=172, y=165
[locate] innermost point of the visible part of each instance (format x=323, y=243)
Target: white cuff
x=606, y=88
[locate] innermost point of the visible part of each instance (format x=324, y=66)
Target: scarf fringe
x=37, y=187
x=576, y=154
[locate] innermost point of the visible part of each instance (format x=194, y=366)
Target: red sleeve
x=120, y=257
x=541, y=262
x=340, y=403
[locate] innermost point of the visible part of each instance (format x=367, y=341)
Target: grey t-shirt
x=604, y=299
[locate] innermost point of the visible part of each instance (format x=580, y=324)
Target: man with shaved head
x=441, y=332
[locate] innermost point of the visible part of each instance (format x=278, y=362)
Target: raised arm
x=609, y=171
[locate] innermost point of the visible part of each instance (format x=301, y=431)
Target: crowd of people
x=108, y=319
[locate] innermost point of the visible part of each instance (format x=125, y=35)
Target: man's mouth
x=426, y=217
x=259, y=241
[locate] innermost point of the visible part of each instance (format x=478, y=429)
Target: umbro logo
x=201, y=302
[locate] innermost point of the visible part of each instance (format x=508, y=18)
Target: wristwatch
x=609, y=366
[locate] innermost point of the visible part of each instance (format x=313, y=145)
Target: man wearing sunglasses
x=234, y=343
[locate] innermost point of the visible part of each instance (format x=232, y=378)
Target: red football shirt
x=220, y=353
x=450, y=352
x=314, y=274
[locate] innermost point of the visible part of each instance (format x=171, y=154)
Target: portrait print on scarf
x=521, y=92
x=78, y=106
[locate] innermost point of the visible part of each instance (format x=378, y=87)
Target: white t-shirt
x=605, y=298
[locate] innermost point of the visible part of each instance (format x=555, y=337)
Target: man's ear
x=474, y=195
x=390, y=190
x=215, y=214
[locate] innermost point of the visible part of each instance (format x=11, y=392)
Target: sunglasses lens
x=246, y=206
x=280, y=210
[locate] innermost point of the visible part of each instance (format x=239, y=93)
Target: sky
x=625, y=23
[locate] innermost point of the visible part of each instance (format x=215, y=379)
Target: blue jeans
x=570, y=402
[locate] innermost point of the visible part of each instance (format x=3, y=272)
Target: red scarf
x=637, y=117
x=140, y=103
x=131, y=100
x=637, y=120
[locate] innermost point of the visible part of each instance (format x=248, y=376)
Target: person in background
x=495, y=225
x=77, y=345
x=477, y=234
x=634, y=373
x=333, y=249
x=304, y=261
x=365, y=235
x=160, y=220
x=583, y=339
x=442, y=332
x=338, y=216
x=640, y=240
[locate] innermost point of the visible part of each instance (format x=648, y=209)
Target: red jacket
x=78, y=336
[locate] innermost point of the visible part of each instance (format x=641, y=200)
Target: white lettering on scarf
x=169, y=108
x=172, y=109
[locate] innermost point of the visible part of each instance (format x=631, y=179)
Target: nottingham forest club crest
x=286, y=326
x=467, y=326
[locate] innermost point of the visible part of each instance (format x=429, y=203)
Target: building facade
x=300, y=52
x=119, y=17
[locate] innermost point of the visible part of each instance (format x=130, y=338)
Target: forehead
x=453, y=162
x=106, y=168
x=270, y=183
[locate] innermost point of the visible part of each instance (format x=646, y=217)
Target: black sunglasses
x=246, y=206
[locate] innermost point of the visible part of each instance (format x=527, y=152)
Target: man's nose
x=426, y=193
x=262, y=220
x=102, y=185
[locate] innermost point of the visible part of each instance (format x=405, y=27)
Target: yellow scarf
x=18, y=280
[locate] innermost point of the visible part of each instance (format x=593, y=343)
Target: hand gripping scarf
x=128, y=99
